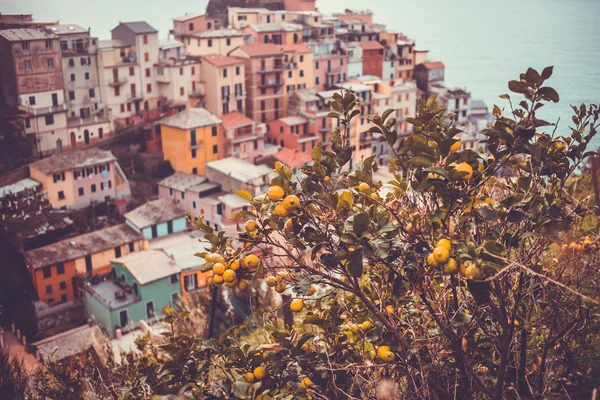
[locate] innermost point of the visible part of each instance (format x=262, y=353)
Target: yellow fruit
x=275, y=193
x=445, y=243
x=365, y=326
x=455, y=147
x=243, y=285
x=218, y=280
x=451, y=266
x=463, y=269
x=441, y=254
x=305, y=382
x=214, y=257
x=388, y=357
x=363, y=186
x=296, y=305
x=249, y=377
x=280, y=287
x=281, y=210
x=516, y=323
x=472, y=272
x=218, y=269
x=260, y=373
x=467, y=311
x=573, y=246
x=327, y=179
x=354, y=328
x=305, y=347
x=271, y=281
x=231, y=284
x=311, y=290
x=389, y=310
x=564, y=247
x=483, y=369
x=229, y=276
x=289, y=224
x=252, y=261
x=235, y=265
x=431, y=144
x=375, y=196
x=291, y=202
x=465, y=167
x=251, y=225
x=431, y=261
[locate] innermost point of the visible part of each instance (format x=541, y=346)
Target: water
x=483, y=43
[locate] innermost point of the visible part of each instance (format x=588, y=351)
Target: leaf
x=386, y=113
x=360, y=223
x=244, y=194
x=547, y=72
x=240, y=215
x=496, y=112
x=533, y=77
x=549, y=93
x=420, y=161
x=316, y=152
x=333, y=114
x=355, y=263
x=345, y=200
x=517, y=86
x=413, y=121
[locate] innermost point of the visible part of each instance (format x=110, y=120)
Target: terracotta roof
x=234, y=120
x=221, y=61
x=371, y=45
x=261, y=49
x=297, y=48
x=293, y=158
x=434, y=65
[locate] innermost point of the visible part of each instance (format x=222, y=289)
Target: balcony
x=44, y=110
x=117, y=82
x=162, y=78
x=225, y=97
x=240, y=95
x=274, y=68
x=270, y=83
x=134, y=96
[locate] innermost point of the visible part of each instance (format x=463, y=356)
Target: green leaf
x=333, y=114
x=345, y=200
x=549, y=93
x=244, y=194
x=413, y=121
x=360, y=223
x=355, y=263
x=420, y=161
x=240, y=215
x=517, y=86
x=547, y=72
x=385, y=114
x=316, y=153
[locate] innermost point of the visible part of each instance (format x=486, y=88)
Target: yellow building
x=190, y=139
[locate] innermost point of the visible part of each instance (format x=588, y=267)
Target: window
x=32, y=100
x=62, y=285
x=262, y=105
x=146, y=56
x=27, y=123
x=317, y=80
x=174, y=279
x=118, y=251
x=194, y=204
x=191, y=26
x=219, y=209
x=181, y=91
x=256, y=145
x=63, y=298
x=209, y=42
x=240, y=106
x=209, y=25
x=224, y=72
x=180, y=71
x=83, y=61
x=128, y=106
x=48, y=289
x=215, y=148
x=50, y=63
x=87, y=76
x=193, y=153
x=49, y=119
x=27, y=65
x=303, y=147
x=301, y=58
x=237, y=71
x=50, y=300
x=92, y=93
x=25, y=45
x=193, y=137
x=149, y=87
x=81, y=191
x=341, y=61
x=117, y=93
x=71, y=95
x=301, y=72
x=48, y=43
x=145, y=39
x=94, y=188
x=228, y=41
x=193, y=70
x=170, y=223
x=214, y=130
x=131, y=247
x=46, y=272
x=225, y=108
x=131, y=71
x=122, y=107
x=147, y=72
x=289, y=74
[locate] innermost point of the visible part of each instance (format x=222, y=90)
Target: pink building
x=299, y=5
x=330, y=63
x=292, y=133
x=244, y=138
x=193, y=23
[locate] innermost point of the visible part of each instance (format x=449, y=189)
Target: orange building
x=372, y=58
x=190, y=139
x=292, y=133
x=54, y=268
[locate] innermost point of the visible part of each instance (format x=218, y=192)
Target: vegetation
x=473, y=274
x=13, y=377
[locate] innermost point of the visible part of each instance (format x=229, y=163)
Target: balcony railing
x=270, y=83
x=134, y=96
x=44, y=110
x=240, y=95
x=117, y=82
x=274, y=68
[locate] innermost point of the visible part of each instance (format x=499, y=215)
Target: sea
x=483, y=43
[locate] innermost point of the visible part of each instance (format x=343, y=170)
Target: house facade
x=157, y=218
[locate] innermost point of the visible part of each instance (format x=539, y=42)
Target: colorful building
x=244, y=138
x=178, y=77
x=373, y=56
x=54, y=268
x=240, y=17
x=292, y=133
x=429, y=74
x=157, y=218
x=224, y=82
x=220, y=42
x=314, y=106
x=193, y=23
x=275, y=32
x=299, y=5
x=330, y=63
x=76, y=179
x=190, y=139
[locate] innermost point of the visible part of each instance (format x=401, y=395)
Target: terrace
x=113, y=293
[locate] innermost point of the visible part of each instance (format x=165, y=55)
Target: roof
x=138, y=27
x=169, y=43
x=221, y=61
x=371, y=45
x=474, y=104
x=149, y=265
x=457, y=92
x=181, y=181
x=261, y=49
x=66, y=29
x=293, y=120
x=205, y=187
x=357, y=87
x=233, y=201
x=69, y=343
x=183, y=254
x=155, y=212
x=249, y=10
x=187, y=17
x=81, y=246
x=23, y=34
x=73, y=159
x=293, y=158
x=276, y=27
x=240, y=170
x=366, y=78
x=219, y=33
x=434, y=65
x=18, y=187
x=109, y=44
x=297, y=48
x=191, y=118
x=235, y=120
x=307, y=94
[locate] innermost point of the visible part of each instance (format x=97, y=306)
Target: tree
x=13, y=377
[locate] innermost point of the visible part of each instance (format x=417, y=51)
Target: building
x=373, y=57
x=355, y=59
x=219, y=42
x=21, y=200
x=364, y=16
x=178, y=77
x=429, y=74
x=299, y=5
x=275, y=32
x=244, y=138
x=405, y=51
x=235, y=174
x=330, y=63
x=239, y=17
x=157, y=218
x=32, y=81
x=479, y=119
x=311, y=105
x=193, y=23
x=54, y=268
x=76, y=179
x=190, y=139
x=187, y=189
x=459, y=102
x=292, y=133
x=87, y=120
x=300, y=69
x=224, y=81
x=68, y=344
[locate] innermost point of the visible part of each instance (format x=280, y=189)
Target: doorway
x=86, y=136
x=123, y=319
x=54, y=99
x=88, y=265
x=150, y=309
x=59, y=147
x=73, y=140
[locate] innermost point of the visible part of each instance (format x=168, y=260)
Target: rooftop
x=356, y=87
x=73, y=159
x=307, y=95
x=261, y=49
x=69, y=343
x=149, y=265
x=434, y=65
x=221, y=61
x=293, y=120
x=191, y=118
x=276, y=27
x=205, y=187
x=233, y=201
x=24, y=34
x=248, y=10
x=111, y=44
x=474, y=104
x=81, y=246
x=68, y=29
x=155, y=212
x=169, y=43
x=293, y=158
x=187, y=17
x=219, y=33
x=18, y=187
x=457, y=92
x=371, y=45
x=181, y=181
x=105, y=291
x=240, y=170
x=183, y=254
x=235, y=120
x=297, y=48
x=138, y=27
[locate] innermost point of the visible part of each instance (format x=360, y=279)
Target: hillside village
x=111, y=143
